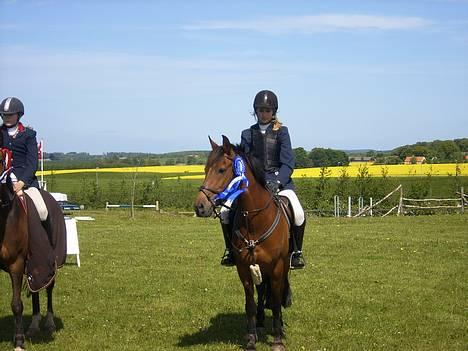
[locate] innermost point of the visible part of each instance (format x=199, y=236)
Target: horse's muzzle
x=203, y=208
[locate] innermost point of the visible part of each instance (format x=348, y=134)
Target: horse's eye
x=221, y=170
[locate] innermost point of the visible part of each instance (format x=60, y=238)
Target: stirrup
x=227, y=259
x=296, y=260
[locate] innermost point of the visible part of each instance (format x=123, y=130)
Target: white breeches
x=298, y=211
x=36, y=197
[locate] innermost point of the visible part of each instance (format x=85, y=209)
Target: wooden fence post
x=400, y=205
x=462, y=200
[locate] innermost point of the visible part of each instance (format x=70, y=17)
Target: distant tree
x=321, y=157
x=302, y=161
x=447, y=150
x=462, y=144
x=191, y=160
x=170, y=162
x=434, y=151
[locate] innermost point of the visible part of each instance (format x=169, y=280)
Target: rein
x=250, y=244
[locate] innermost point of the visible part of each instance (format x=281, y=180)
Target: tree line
x=437, y=151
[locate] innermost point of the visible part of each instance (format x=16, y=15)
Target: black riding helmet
x=12, y=105
x=266, y=98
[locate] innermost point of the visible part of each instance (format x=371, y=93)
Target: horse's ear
x=226, y=145
x=213, y=144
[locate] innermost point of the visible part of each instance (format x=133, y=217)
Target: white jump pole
x=349, y=206
x=42, y=163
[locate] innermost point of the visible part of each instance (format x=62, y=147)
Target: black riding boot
x=228, y=257
x=297, y=259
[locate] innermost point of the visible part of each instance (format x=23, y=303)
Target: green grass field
x=155, y=283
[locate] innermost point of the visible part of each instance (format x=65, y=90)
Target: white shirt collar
x=13, y=130
x=263, y=127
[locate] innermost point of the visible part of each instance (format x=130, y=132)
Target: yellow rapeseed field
x=186, y=172
x=144, y=169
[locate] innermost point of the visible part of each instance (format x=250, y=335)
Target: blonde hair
x=276, y=123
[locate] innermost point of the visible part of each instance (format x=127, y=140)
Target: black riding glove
x=273, y=186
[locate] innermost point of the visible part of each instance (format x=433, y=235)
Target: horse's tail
x=287, y=293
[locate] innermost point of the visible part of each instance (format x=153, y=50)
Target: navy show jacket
x=24, y=150
x=286, y=156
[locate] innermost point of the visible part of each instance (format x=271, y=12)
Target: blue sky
x=160, y=76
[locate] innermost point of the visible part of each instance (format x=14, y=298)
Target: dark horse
x=260, y=237
x=15, y=224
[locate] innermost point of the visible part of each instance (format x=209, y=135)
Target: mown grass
x=155, y=283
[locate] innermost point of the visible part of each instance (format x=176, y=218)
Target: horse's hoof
x=32, y=332
x=49, y=324
x=278, y=347
x=19, y=348
x=251, y=340
x=278, y=344
x=34, y=326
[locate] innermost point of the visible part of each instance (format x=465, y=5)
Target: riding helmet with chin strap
x=12, y=105
x=266, y=99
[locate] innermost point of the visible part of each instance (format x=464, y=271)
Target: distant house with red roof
x=418, y=160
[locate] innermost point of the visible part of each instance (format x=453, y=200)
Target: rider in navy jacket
x=269, y=142
x=281, y=175
x=22, y=142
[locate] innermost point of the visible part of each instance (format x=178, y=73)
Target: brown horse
x=15, y=226
x=260, y=237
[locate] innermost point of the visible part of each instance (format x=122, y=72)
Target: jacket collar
x=21, y=127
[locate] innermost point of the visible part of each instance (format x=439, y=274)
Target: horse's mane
x=254, y=163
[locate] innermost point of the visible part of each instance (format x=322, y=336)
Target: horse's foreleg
x=261, y=306
x=16, y=274
x=36, y=317
x=277, y=287
x=250, y=309
x=49, y=324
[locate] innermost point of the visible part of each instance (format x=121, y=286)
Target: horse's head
x=218, y=174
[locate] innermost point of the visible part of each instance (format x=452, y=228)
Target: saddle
x=287, y=208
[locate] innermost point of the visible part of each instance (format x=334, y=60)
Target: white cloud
x=316, y=23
